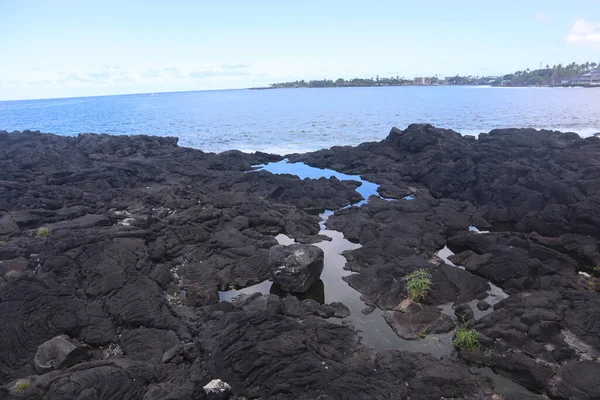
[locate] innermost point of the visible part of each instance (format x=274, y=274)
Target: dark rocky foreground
x=118, y=298
x=539, y=194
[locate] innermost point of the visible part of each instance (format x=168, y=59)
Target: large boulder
x=59, y=352
x=296, y=267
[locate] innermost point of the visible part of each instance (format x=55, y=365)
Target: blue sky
x=81, y=48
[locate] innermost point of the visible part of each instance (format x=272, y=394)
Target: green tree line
x=544, y=76
x=343, y=82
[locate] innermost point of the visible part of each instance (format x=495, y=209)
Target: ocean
x=284, y=121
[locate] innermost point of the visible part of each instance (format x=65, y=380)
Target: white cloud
x=124, y=77
x=174, y=72
x=584, y=33
x=212, y=73
x=541, y=17
x=151, y=73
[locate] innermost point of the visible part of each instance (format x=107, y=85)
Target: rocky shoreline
x=113, y=250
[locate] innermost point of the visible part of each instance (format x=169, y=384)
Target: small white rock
x=217, y=386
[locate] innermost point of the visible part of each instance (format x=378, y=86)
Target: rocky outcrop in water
x=112, y=252
x=295, y=268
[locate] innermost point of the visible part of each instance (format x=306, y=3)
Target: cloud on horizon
x=234, y=66
x=73, y=77
x=224, y=70
x=124, y=78
x=584, y=33
x=173, y=72
x=37, y=83
x=116, y=76
x=151, y=73
x=209, y=73
x=99, y=77
x=102, y=77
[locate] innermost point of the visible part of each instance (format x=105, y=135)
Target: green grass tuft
x=466, y=338
x=591, y=284
x=43, y=233
x=418, y=283
x=20, y=386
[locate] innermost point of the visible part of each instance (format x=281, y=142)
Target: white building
x=590, y=78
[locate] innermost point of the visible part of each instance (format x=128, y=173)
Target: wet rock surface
x=139, y=235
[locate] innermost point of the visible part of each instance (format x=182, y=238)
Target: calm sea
x=297, y=120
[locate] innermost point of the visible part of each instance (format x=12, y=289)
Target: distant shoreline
x=370, y=86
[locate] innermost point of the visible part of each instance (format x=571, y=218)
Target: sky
x=69, y=48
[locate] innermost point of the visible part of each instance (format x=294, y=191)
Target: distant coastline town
x=585, y=75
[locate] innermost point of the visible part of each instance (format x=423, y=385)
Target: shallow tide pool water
x=373, y=329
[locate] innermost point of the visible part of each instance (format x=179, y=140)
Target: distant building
x=590, y=78
x=422, y=81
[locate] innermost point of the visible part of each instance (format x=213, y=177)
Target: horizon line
x=123, y=94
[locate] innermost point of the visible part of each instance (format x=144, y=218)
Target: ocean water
x=284, y=121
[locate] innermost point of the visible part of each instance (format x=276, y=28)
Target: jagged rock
x=202, y=294
x=483, y=305
x=418, y=321
x=295, y=267
x=147, y=344
x=398, y=237
x=186, y=351
x=339, y=310
x=576, y=381
x=136, y=221
x=327, y=358
x=510, y=261
x=217, y=390
x=258, y=302
x=59, y=352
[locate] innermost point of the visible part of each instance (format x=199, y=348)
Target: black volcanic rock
x=59, y=352
x=142, y=234
x=417, y=322
x=399, y=237
x=509, y=260
x=539, y=189
x=543, y=180
x=295, y=267
x=327, y=358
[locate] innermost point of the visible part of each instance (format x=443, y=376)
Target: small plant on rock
x=418, y=283
x=591, y=284
x=422, y=334
x=20, y=386
x=12, y=273
x=465, y=338
x=43, y=233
